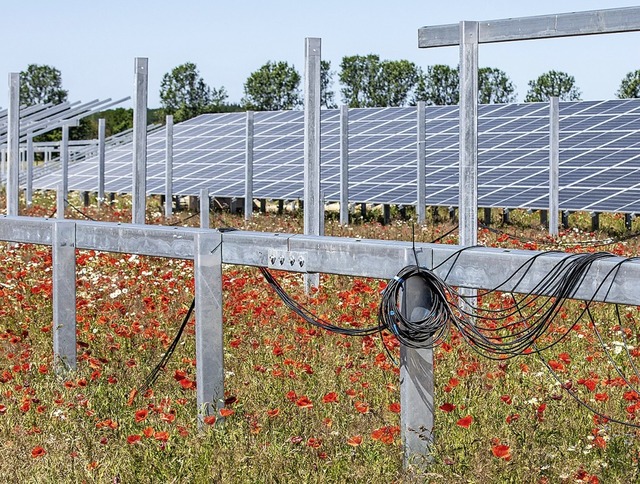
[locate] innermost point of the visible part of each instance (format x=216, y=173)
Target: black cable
x=79, y=211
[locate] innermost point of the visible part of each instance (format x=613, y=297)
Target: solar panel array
x=599, y=156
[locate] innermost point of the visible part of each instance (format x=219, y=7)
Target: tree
x=184, y=94
x=41, y=84
x=553, y=83
x=273, y=87
x=441, y=86
x=494, y=87
x=327, y=96
x=369, y=82
x=630, y=86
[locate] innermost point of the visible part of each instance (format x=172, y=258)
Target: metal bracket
x=287, y=260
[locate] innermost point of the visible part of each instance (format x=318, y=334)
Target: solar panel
x=599, y=156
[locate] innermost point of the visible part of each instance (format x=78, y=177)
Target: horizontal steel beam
x=539, y=27
x=476, y=267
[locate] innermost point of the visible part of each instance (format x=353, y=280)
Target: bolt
x=301, y=262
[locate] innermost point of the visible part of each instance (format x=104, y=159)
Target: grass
x=304, y=405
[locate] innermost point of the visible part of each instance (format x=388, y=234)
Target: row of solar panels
x=599, y=156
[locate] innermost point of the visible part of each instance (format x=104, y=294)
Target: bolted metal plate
x=287, y=260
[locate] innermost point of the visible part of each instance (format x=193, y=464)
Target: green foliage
x=494, y=86
x=41, y=84
x=273, y=87
x=369, y=82
x=630, y=86
x=327, y=96
x=441, y=86
x=184, y=94
x=553, y=83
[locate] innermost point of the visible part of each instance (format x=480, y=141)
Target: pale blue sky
x=93, y=43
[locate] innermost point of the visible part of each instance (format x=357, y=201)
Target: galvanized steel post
x=344, y=164
x=64, y=163
x=422, y=159
x=13, y=144
x=139, y=176
x=204, y=208
x=30, y=161
x=248, y=167
x=312, y=209
x=101, y=159
x=64, y=294
x=168, y=169
x=208, y=311
x=554, y=165
x=468, y=188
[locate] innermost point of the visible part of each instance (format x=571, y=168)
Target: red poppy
x=148, y=432
x=465, y=422
x=361, y=407
x=141, y=415
x=133, y=439
x=226, y=412
x=394, y=407
x=506, y=399
x=274, y=412
x=354, y=441
x=501, y=451
x=331, y=397
x=161, y=436
x=38, y=452
x=209, y=419
x=304, y=402
x=447, y=407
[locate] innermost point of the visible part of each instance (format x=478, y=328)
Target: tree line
x=365, y=81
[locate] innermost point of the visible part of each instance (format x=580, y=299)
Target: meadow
x=302, y=405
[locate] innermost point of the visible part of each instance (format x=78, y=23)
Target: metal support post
x=30, y=161
x=13, y=144
x=595, y=221
x=565, y=219
x=544, y=218
x=168, y=170
x=61, y=203
x=209, y=336
x=205, y=203
x=506, y=216
x=248, y=168
x=468, y=189
x=416, y=378
x=422, y=159
x=312, y=208
x=628, y=221
x=487, y=216
x=386, y=214
x=344, y=165
x=101, y=159
x=554, y=165
x=139, y=181
x=64, y=162
x=64, y=294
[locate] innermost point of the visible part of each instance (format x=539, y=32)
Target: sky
x=94, y=43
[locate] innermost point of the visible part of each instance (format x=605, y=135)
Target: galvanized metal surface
x=139, y=175
x=101, y=159
x=421, y=157
x=204, y=208
x=344, y=164
x=468, y=171
x=208, y=311
x=64, y=294
x=168, y=171
x=30, y=161
x=64, y=161
x=554, y=165
x=248, y=167
x=538, y=27
x=13, y=144
x=312, y=196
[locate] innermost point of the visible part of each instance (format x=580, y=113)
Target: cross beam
x=609, y=21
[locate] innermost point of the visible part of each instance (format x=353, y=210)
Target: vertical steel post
x=101, y=159
x=208, y=308
x=64, y=162
x=139, y=180
x=61, y=204
x=248, y=167
x=344, y=164
x=204, y=208
x=64, y=294
x=13, y=144
x=468, y=191
x=312, y=209
x=30, y=161
x=416, y=378
x=168, y=171
x=422, y=160
x=554, y=165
